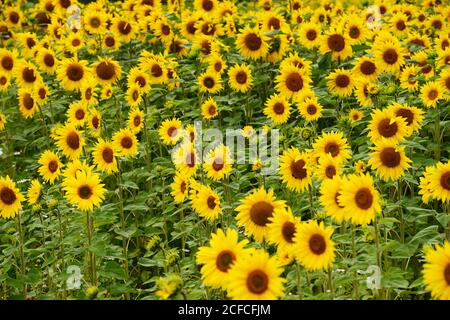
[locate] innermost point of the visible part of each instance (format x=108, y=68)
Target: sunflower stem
x=330, y=282
x=61, y=248
x=91, y=255
x=21, y=252
x=299, y=286
x=377, y=249
x=355, y=275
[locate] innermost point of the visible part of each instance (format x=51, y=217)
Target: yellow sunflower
x=186, y=159
x=282, y=229
x=136, y=120
x=73, y=73
x=330, y=191
x=431, y=93
x=206, y=203
x=355, y=115
x=292, y=82
x=180, y=188
x=341, y=82
x=310, y=109
x=389, y=160
x=77, y=113
x=389, y=56
x=210, y=82
x=294, y=169
x=170, y=131
x=51, y=165
x=209, y=109
x=125, y=142
x=366, y=68
x=10, y=198
x=277, y=109
x=70, y=141
x=412, y=115
x=337, y=43
x=104, y=156
x=85, y=190
x=8, y=61
x=240, y=77
x=439, y=182
x=252, y=43
x=34, y=191
x=107, y=71
x=27, y=76
x=218, y=163
x=333, y=143
x=27, y=103
x=436, y=271
x=385, y=124
x=309, y=34
x=328, y=167
x=255, y=212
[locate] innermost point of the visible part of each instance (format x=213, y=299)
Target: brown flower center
x=73, y=140
x=342, y=81
x=14, y=17
x=406, y=114
x=288, y=231
x=224, y=260
x=42, y=93
x=354, y=32
x=241, y=77
x=432, y=94
x=75, y=72
x=8, y=196
x=208, y=82
x=109, y=41
x=211, y=202
x=3, y=80
x=298, y=169
x=76, y=42
x=218, y=66
x=53, y=166
x=172, y=132
x=190, y=27
x=390, y=158
x=49, y=60
x=386, y=129
x=332, y=148
x=165, y=29
x=364, y=198
x=212, y=110
x=65, y=3
x=7, y=63
x=124, y=27
x=317, y=244
x=84, y=191
x=257, y=282
x=437, y=24
x=400, y=25
x=183, y=187
x=311, y=35
x=218, y=164
x=311, y=109
x=336, y=42
x=108, y=155
x=126, y=142
x=253, y=42
x=447, y=274
x=137, y=120
x=274, y=23
x=447, y=83
x=294, y=82
x=367, y=68
x=390, y=56
x=330, y=171
x=445, y=180
x=105, y=70
x=278, y=108
x=260, y=213
x=190, y=160
x=207, y=5
x=336, y=201
x=79, y=114
x=95, y=122
x=95, y=22
x=28, y=101
x=30, y=43
x=28, y=75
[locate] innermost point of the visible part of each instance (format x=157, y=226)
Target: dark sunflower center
x=432, y=94
x=311, y=35
x=190, y=160
x=332, y=148
x=206, y=47
x=317, y=244
x=212, y=110
x=7, y=63
x=73, y=140
x=190, y=27
x=172, y=132
x=311, y=109
x=95, y=122
x=298, y=169
x=445, y=180
x=447, y=83
x=95, y=22
x=211, y=202
x=400, y=25
x=208, y=29
x=288, y=231
x=126, y=142
x=207, y=5
x=330, y=171
x=444, y=44
x=42, y=93
x=76, y=42
x=224, y=260
x=294, y=82
x=75, y=72
x=390, y=158
x=135, y=95
x=3, y=80
x=342, y=81
x=108, y=155
x=218, y=66
x=406, y=114
x=386, y=129
x=260, y=213
x=28, y=75
x=141, y=81
x=241, y=77
x=14, y=17
x=336, y=42
x=79, y=114
x=137, y=121
x=209, y=82
x=105, y=70
x=165, y=29
x=390, y=56
x=296, y=6
x=8, y=196
x=49, y=60
x=65, y=3
x=278, y=108
x=257, y=282
x=109, y=41
x=218, y=164
x=85, y=192
x=30, y=43
x=274, y=23
x=183, y=187
x=124, y=27
x=364, y=198
x=437, y=24
x=367, y=68
x=253, y=42
x=28, y=101
x=354, y=32
x=426, y=69
x=447, y=274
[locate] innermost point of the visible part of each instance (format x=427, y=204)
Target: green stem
x=91, y=255
x=21, y=252
x=299, y=286
x=355, y=276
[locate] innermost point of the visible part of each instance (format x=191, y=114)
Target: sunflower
x=330, y=191
x=180, y=188
x=282, y=229
x=73, y=73
x=124, y=29
x=337, y=43
x=360, y=199
x=73, y=42
x=443, y=58
x=294, y=169
x=296, y=61
x=430, y=93
x=69, y=140
x=2, y=122
x=210, y=82
x=412, y=115
x=399, y=23
x=355, y=29
x=292, y=82
x=107, y=71
x=255, y=276
x=50, y=168
x=273, y=21
x=216, y=63
x=408, y=77
x=13, y=16
x=34, y=191
x=85, y=190
x=217, y=259
x=94, y=121
x=104, y=156
x=109, y=42
x=385, y=124
x=186, y=159
x=389, y=160
x=310, y=109
x=389, y=56
x=328, y=167
x=125, y=142
x=436, y=271
x=218, y=163
x=355, y=115
x=5, y=82
x=240, y=77
x=341, y=82
x=313, y=245
x=209, y=109
x=206, y=203
x=41, y=93
x=277, y=109
x=27, y=103
x=170, y=131
x=137, y=76
x=333, y=143
x=252, y=43
x=77, y=113
x=8, y=60
x=309, y=34
x=134, y=95
x=444, y=80
x=10, y=198
x=158, y=72
x=88, y=93
x=95, y=22
x=366, y=68
x=439, y=182
x=255, y=212
x=27, y=75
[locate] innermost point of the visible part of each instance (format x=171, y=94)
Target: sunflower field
x=207, y=149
